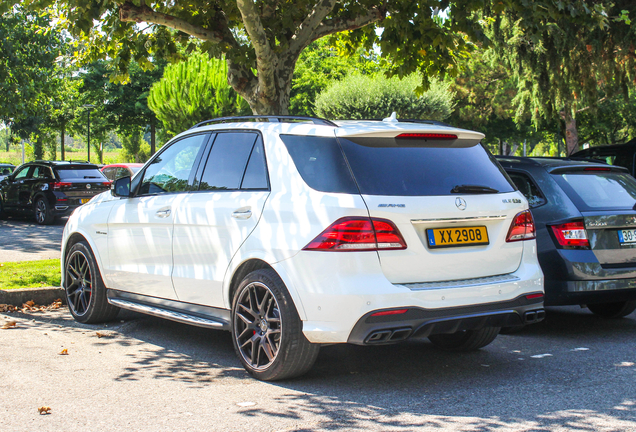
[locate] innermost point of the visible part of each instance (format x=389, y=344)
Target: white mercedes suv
x=294, y=232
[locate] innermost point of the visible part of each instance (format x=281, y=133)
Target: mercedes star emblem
x=460, y=203
x=89, y=186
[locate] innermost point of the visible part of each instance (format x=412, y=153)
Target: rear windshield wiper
x=91, y=177
x=473, y=189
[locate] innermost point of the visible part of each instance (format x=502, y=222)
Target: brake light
x=534, y=296
x=437, y=136
x=358, y=234
x=522, y=227
x=571, y=235
x=597, y=169
x=391, y=312
x=60, y=185
x=107, y=183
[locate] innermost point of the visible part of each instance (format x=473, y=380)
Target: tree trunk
x=571, y=134
x=152, y=138
x=38, y=148
x=62, y=136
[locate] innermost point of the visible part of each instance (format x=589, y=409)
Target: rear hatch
x=450, y=199
x=81, y=183
x=606, y=197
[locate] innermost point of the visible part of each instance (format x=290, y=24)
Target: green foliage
x=193, y=91
x=318, y=66
x=613, y=121
x=133, y=147
x=369, y=97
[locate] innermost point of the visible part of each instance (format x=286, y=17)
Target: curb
x=41, y=296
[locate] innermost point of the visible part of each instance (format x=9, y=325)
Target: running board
x=169, y=314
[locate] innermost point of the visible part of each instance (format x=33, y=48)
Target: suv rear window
x=384, y=166
x=599, y=190
x=79, y=173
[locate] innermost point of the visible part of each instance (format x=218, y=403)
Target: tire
x=43, y=212
x=267, y=331
x=467, y=340
x=84, y=289
x=613, y=310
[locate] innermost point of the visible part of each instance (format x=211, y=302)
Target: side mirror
x=121, y=187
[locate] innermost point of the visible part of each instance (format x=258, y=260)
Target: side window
x=36, y=172
x=256, y=172
x=226, y=163
x=528, y=188
x=122, y=172
x=22, y=173
x=108, y=172
x=170, y=170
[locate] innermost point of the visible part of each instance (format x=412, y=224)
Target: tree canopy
x=564, y=65
x=262, y=40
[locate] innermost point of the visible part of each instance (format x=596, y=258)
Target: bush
x=372, y=97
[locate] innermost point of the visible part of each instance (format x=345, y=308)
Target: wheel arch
x=256, y=263
x=74, y=238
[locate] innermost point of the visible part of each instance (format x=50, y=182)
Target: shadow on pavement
x=400, y=387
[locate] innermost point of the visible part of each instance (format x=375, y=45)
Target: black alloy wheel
x=267, y=331
x=257, y=326
x=43, y=212
x=84, y=288
x=78, y=283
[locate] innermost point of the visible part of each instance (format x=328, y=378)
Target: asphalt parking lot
x=21, y=239
x=573, y=372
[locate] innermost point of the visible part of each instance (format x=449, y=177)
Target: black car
x=49, y=189
x=6, y=169
x=618, y=154
x=585, y=216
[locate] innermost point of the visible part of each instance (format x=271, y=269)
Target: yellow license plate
x=84, y=200
x=460, y=236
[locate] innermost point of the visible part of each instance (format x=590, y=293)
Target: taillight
x=571, y=235
x=107, y=183
x=597, y=169
x=60, y=185
x=390, y=312
x=522, y=227
x=358, y=234
x=435, y=136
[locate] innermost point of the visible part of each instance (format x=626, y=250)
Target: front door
x=140, y=228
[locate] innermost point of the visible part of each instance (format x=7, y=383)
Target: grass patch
x=30, y=274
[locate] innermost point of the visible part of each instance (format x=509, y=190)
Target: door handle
x=163, y=213
x=242, y=214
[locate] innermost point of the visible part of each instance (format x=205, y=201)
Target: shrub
x=370, y=97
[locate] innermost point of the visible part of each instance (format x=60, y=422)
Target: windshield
x=599, y=190
x=407, y=170
x=80, y=173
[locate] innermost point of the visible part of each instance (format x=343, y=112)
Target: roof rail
x=272, y=119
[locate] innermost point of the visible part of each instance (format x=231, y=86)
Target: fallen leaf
x=9, y=324
x=63, y=352
x=100, y=335
x=30, y=303
x=44, y=410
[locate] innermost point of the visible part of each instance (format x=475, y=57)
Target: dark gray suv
x=585, y=216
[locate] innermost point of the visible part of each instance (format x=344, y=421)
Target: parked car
x=296, y=232
x=115, y=171
x=618, y=154
x=586, y=230
x=50, y=189
x=5, y=170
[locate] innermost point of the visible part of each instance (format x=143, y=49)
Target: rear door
x=11, y=192
x=606, y=197
x=212, y=222
x=450, y=200
x=140, y=229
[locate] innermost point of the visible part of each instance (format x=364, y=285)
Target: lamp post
x=89, y=107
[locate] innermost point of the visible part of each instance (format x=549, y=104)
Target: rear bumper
x=418, y=323
x=575, y=277
x=562, y=293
